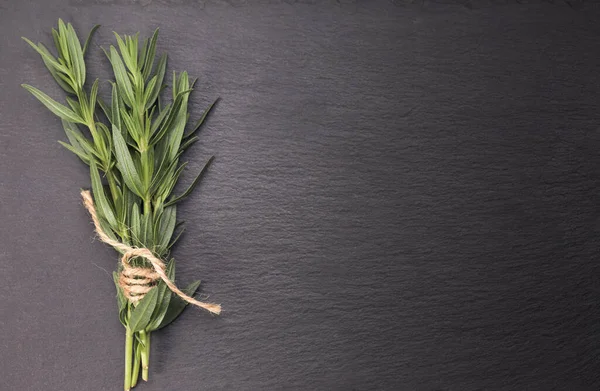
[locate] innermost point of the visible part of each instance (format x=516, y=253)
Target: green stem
x=147, y=206
x=112, y=184
x=128, y=357
x=145, y=354
x=136, y=364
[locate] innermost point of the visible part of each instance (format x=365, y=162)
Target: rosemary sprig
x=137, y=149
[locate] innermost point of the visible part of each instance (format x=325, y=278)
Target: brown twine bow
x=137, y=281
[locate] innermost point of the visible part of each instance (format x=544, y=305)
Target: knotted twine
x=137, y=281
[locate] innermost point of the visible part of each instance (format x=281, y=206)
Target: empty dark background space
x=404, y=197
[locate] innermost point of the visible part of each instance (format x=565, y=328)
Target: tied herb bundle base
x=132, y=145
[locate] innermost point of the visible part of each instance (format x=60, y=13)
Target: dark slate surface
x=405, y=197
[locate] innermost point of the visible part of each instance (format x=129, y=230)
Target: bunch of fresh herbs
x=133, y=145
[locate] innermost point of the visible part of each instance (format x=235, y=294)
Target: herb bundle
x=133, y=146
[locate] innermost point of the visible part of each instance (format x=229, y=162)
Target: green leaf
x=77, y=139
x=125, y=163
x=192, y=186
x=63, y=80
x=160, y=118
x=176, y=238
x=102, y=204
x=55, y=107
x=166, y=187
x=147, y=232
x=177, y=305
x=164, y=298
x=175, y=88
x=142, y=58
x=115, y=106
x=123, y=82
x=124, y=48
x=135, y=224
x=188, y=143
x=201, y=120
x=140, y=317
x=57, y=44
x=76, y=55
x=80, y=153
x=177, y=129
x=167, y=226
x=121, y=300
x=148, y=92
x=92, y=100
x=75, y=106
x=149, y=57
x=89, y=38
x=107, y=228
x=131, y=126
x=173, y=113
x=160, y=75
x=62, y=37
x=105, y=108
x=49, y=58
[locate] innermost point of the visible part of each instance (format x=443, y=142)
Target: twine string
x=134, y=280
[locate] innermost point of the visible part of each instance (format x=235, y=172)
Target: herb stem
x=145, y=353
x=136, y=365
x=112, y=184
x=128, y=357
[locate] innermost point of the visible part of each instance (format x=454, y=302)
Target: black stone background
x=404, y=197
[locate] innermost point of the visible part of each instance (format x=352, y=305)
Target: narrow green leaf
x=164, y=298
x=76, y=55
x=115, y=106
x=201, y=120
x=160, y=179
x=56, y=39
x=135, y=223
x=106, y=53
x=92, y=100
x=55, y=107
x=125, y=53
x=173, y=113
x=76, y=138
x=140, y=317
x=148, y=93
x=63, y=80
x=142, y=58
x=51, y=60
x=167, y=225
x=121, y=300
x=170, y=181
x=131, y=126
x=62, y=36
x=147, y=231
x=102, y=204
x=105, y=108
x=80, y=153
x=188, y=143
x=123, y=82
x=159, y=119
x=108, y=230
x=179, y=233
x=177, y=305
x=176, y=133
x=149, y=58
x=175, y=89
x=133, y=50
x=192, y=186
x=89, y=38
x=75, y=106
x=125, y=163
x=160, y=75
